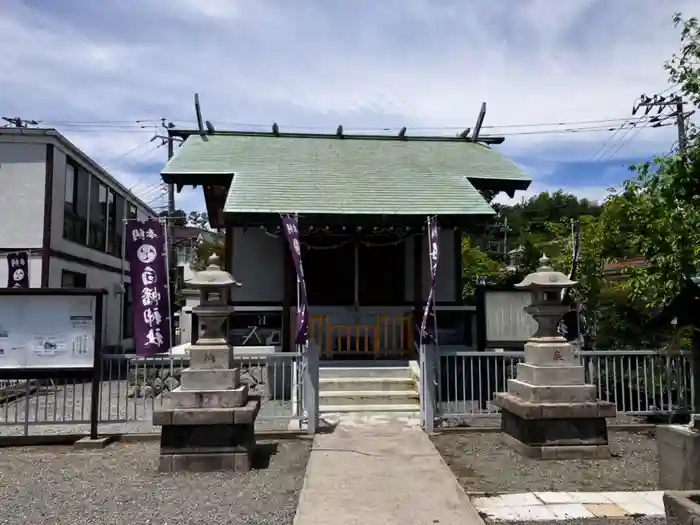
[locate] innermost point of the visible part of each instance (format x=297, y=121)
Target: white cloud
x=365, y=64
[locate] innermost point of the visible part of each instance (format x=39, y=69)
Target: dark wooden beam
x=417, y=279
x=479, y=123
x=228, y=250
x=352, y=221
x=48, y=212
x=458, y=264
x=200, y=122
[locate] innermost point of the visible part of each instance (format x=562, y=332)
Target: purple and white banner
x=290, y=225
x=434, y=258
x=18, y=270
x=146, y=246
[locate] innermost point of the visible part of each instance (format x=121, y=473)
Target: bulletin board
x=50, y=329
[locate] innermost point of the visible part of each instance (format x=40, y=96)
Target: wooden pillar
x=228, y=249
x=458, y=265
x=481, y=341
x=417, y=279
x=288, y=296
x=228, y=266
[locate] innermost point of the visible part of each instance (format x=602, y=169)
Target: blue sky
x=93, y=69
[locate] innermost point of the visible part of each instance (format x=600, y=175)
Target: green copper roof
x=352, y=175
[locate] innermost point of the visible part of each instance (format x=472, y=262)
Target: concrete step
x=368, y=397
x=363, y=371
x=354, y=384
x=410, y=409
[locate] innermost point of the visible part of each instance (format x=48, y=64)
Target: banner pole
x=164, y=221
x=121, y=283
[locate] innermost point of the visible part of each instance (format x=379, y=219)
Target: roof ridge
x=484, y=140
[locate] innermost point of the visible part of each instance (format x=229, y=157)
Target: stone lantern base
x=208, y=422
x=679, y=455
x=549, y=412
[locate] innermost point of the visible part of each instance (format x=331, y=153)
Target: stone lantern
x=208, y=421
x=549, y=412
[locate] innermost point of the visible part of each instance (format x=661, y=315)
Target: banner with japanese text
x=18, y=270
x=433, y=259
x=146, y=246
x=290, y=226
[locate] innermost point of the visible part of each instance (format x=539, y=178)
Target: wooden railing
x=388, y=336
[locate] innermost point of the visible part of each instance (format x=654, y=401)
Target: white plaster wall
x=34, y=270
x=445, y=279
x=506, y=320
x=96, y=278
x=22, y=186
x=258, y=263
x=187, y=271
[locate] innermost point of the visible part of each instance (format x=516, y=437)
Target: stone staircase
x=367, y=387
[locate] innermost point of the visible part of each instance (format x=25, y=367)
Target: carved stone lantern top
x=545, y=286
x=545, y=278
x=214, y=284
x=213, y=276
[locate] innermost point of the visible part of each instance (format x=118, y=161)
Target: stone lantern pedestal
x=208, y=421
x=549, y=412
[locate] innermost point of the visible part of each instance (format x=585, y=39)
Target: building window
x=185, y=254
x=132, y=213
x=180, y=277
x=115, y=214
x=128, y=320
x=73, y=279
x=111, y=221
x=75, y=198
x=98, y=215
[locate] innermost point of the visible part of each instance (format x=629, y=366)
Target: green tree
x=177, y=218
x=476, y=265
x=198, y=219
x=203, y=251
x=659, y=208
x=589, y=274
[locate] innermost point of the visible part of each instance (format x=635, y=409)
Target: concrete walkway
x=380, y=474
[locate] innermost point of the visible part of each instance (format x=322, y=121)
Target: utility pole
x=172, y=254
x=680, y=123
x=662, y=103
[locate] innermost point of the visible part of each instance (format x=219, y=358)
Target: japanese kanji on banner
x=18, y=270
x=290, y=225
x=146, y=252
x=434, y=258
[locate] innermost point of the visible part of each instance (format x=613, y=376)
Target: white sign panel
x=47, y=331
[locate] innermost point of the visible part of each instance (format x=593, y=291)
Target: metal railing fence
x=638, y=382
x=132, y=387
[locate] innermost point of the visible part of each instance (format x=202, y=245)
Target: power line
x=559, y=130
x=139, y=124
x=629, y=134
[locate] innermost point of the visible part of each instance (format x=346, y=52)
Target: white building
x=59, y=205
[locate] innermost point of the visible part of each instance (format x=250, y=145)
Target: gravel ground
x=69, y=405
x=121, y=486
x=483, y=464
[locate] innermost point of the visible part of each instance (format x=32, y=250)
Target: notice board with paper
x=48, y=330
